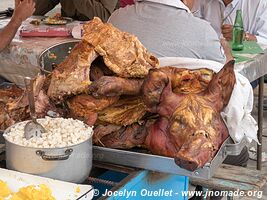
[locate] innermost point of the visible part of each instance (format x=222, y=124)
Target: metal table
x=254, y=70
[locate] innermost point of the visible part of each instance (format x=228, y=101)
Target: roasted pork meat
x=108, y=86
x=126, y=111
x=72, y=76
x=8, y=94
x=15, y=108
x=122, y=137
x=190, y=127
x=86, y=107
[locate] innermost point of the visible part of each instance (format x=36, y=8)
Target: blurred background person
x=221, y=14
x=79, y=9
x=167, y=28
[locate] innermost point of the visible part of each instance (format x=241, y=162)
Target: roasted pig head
x=188, y=81
x=122, y=52
x=190, y=127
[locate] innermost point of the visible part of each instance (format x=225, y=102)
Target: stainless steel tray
x=166, y=164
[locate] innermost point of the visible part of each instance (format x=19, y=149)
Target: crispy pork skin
x=122, y=52
x=190, y=127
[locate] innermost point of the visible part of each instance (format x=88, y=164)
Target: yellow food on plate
x=4, y=190
x=40, y=192
x=78, y=189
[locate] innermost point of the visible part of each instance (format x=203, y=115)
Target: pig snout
x=195, y=152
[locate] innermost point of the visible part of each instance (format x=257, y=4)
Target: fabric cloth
x=168, y=29
x=78, y=9
x=237, y=114
x=254, y=14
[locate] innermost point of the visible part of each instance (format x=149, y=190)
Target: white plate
x=60, y=190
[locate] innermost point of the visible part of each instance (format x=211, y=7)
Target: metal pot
x=54, y=55
x=71, y=164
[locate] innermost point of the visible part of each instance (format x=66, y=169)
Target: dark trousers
x=240, y=160
x=254, y=84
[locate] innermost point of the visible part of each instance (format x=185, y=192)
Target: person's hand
x=23, y=10
x=227, y=31
x=250, y=37
x=227, y=50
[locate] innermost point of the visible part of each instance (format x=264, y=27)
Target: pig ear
x=222, y=84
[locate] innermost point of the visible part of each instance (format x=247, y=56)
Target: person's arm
x=259, y=33
x=227, y=50
x=22, y=11
x=227, y=32
x=44, y=6
x=96, y=8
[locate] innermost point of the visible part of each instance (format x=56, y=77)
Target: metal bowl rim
x=44, y=51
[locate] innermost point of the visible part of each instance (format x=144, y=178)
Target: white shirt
x=167, y=29
x=254, y=13
x=176, y=4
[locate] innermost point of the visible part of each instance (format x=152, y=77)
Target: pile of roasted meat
x=111, y=81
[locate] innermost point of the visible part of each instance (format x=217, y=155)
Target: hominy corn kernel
x=60, y=133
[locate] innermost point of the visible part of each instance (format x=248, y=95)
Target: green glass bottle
x=238, y=32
